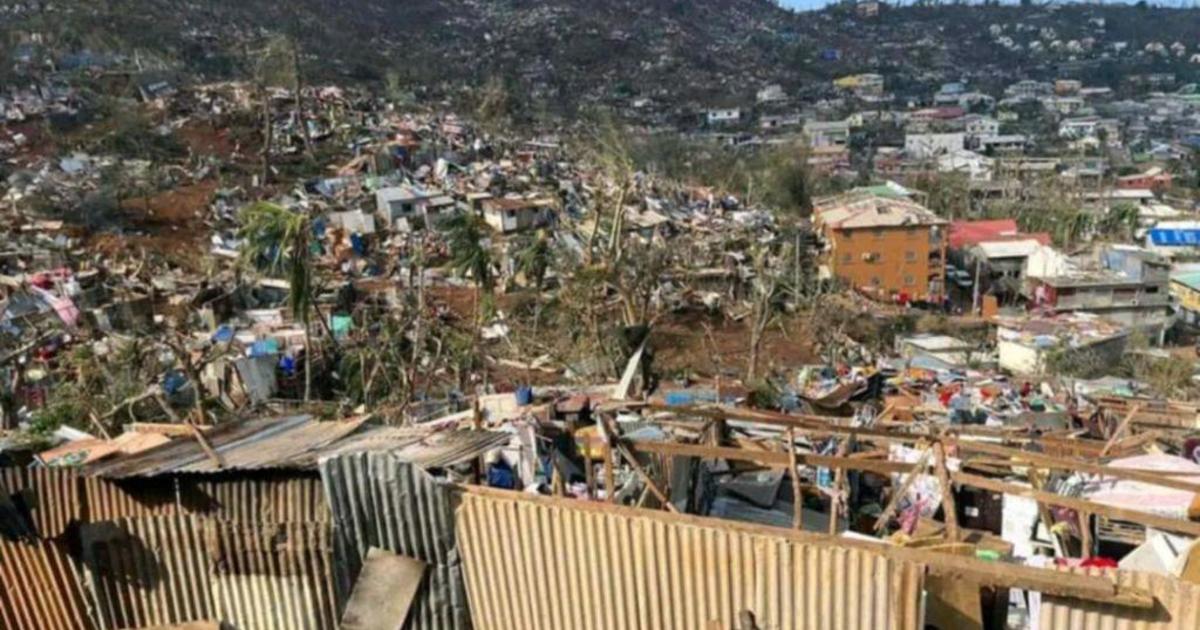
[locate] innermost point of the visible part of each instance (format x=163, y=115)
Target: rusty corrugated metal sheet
x=270, y=499
x=110, y=500
x=40, y=588
x=51, y=497
x=147, y=571
x=379, y=499
x=179, y=569
x=601, y=566
x=273, y=577
x=1178, y=607
x=291, y=442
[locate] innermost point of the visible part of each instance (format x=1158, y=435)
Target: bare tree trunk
x=267, y=134
x=299, y=87
x=308, y=352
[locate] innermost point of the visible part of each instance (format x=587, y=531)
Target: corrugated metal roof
x=429, y=449
x=609, y=567
x=40, y=588
x=1178, y=607
x=295, y=443
x=379, y=499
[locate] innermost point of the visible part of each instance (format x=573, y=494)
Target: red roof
x=967, y=233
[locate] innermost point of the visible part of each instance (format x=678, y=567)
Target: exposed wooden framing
x=770, y=459
x=780, y=460
x=1159, y=522
x=838, y=498
x=610, y=484
x=1064, y=463
x=208, y=449
x=797, y=493
x=894, y=502
x=641, y=472
x=1085, y=534
x=170, y=430
x=949, y=505
x=1112, y=439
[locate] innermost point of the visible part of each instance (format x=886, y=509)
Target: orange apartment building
x=887, y=247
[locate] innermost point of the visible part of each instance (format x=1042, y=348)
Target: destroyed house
x=1131, y=288
x=412, y=206
x=892, y=248
x=508, y=214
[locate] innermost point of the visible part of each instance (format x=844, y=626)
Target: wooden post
x=1085, y=534
x=1120, y=430
x=797, y=493
x=949, y=505
x=838, y=500
x=610, y=484
x=478, y=466
x=894, y=502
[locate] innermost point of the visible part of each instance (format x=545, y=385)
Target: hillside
x=578, y=51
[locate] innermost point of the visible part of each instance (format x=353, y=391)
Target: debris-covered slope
x=578, y=51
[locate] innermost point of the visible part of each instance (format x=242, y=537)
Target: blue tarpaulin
x=1175, y=238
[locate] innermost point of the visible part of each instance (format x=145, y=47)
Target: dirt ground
x=171, y=225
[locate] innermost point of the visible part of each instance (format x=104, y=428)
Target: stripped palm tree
x=280, y=242
x=465, y=234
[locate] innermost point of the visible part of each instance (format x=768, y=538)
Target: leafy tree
x=280, y=242
x=465, y=233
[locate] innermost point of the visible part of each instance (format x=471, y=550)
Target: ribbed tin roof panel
x=379, y=499
x=147, y=571
x=273, y=576
x=274, y=499
x=50, y=496
x=615, y=568
x=40, y=588
x=1178, y=607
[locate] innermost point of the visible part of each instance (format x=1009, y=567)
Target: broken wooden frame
x=816, y=425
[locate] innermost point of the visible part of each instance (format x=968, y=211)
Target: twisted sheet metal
x=270, y=499
x=553, y=563
x=51, y=497
x=273, y=577
x=147, y=571
x=1177, y=607
x=379, y=499
x=40, y=588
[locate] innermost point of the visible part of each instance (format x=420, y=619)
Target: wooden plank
x=384, y=592
x=797, y=494
x=1160, y=522
x=949, y=505
x=1065, y=463
x=1121, y=428
x=770, y=459
x=919, y=468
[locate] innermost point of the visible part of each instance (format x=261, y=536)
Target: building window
x=847, y=259
x=909, y=281
x=878, y=232
x=910, y=256
x=875, y=281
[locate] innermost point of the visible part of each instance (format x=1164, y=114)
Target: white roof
x=1008, y=249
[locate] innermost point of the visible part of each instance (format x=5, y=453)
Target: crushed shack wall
x=552, y=563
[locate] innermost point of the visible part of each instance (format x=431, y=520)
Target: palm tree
x=534, y=260
x=469, y=257
x=279, y=241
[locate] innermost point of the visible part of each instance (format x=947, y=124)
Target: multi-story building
x=888, y=247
